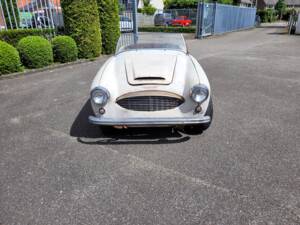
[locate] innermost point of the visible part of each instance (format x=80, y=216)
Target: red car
x=181, y=21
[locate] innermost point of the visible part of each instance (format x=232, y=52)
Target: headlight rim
x=202, y=86
x=102, y=89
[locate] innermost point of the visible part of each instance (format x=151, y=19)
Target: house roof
x=292, y=2
x=288, y=2
x=247, y=1
x=270, y=2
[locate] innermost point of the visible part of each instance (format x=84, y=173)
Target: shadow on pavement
x=87, y=133
x=279, y=33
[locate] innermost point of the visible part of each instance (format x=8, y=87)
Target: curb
x=51, y=67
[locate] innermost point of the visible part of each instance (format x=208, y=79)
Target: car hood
x=119, y=74
x=155, y=68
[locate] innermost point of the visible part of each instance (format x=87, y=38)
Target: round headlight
x=199, y=93
x=100, y=96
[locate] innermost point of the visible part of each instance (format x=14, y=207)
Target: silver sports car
x=152, y=81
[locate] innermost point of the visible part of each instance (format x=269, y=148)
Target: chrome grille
x=150, y=103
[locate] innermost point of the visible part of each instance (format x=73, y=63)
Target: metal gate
x=128, y=21
x=214, y=18
x=205, y=19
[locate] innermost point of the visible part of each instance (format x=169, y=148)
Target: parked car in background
x=152, y=81
x=163, y=19
x=126, y=24
x=181, y=21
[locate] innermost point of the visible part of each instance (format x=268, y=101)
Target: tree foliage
x=177, y=4
x=187, y=4
x=280, y=7
x=81, y=18
x=226, y=2
x=110, y=24
x=149, y=10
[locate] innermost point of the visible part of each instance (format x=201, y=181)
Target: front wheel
x=199, y=128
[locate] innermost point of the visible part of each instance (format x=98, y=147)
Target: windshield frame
x=129, y=42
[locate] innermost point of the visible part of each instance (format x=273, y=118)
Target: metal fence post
x=134, y=17
x=28, y=9
x=20, y=17
x=46, y=14
x=14, y=14
x=214, y=17
x=8, y=14
x=199, y=20
x=202, y=19
x=51, y=15
x=3, y=16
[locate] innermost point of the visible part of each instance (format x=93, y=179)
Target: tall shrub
x=110, y=24
x=82, y=23
x=12, y=12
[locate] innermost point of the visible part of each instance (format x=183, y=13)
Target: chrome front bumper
x=148, y=121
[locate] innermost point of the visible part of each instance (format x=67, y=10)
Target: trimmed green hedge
x=14, y=36
x=110, y=24
x=35, y=52
x=64, y=49
x=9, y=59
x=81, y=18
x=168, y=29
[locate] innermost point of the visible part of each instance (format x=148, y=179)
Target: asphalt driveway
x=55, y=168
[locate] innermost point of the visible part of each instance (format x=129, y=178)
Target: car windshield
x=162, y=41
x=168, y=16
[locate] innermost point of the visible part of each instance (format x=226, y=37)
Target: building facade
x=270, y=4
x=158, y=4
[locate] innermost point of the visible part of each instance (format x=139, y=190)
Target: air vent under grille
x=150, y=103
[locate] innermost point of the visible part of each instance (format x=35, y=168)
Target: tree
x=110, y=24
x=146, y=2
x=148, y=9
x=81, y=18
x=226, y=2
x=280, y=7
x=11, y=11
x=177, y=4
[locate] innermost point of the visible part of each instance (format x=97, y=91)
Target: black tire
x=198, y=129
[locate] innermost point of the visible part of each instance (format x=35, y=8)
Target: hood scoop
x=149, y=78
x=150, y=68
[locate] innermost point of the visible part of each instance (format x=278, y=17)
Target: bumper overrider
x=148, y=121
